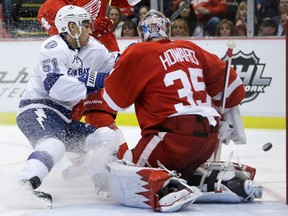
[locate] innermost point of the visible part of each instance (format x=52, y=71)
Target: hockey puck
x=267, y=146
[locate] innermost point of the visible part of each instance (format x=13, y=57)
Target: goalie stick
x=179, y=10
x=231, y=45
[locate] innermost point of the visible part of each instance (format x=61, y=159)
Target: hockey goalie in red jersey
x=176, y=87
x=97, y=10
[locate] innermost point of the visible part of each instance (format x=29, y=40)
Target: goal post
x=286, y=74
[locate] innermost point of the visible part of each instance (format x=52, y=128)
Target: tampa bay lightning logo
x=51, y=44
x=77, y=63
x=77, y=68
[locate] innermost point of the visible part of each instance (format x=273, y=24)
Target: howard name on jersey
x=58, y=67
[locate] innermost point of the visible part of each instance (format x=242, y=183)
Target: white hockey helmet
x=70, y=13
x=154, y=25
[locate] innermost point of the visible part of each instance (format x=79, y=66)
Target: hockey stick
x=231, y=45
x=179, y=10
x=108, y=8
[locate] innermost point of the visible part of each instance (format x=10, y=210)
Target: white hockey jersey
x=56, y=56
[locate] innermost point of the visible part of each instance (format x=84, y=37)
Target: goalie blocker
x=163, y=190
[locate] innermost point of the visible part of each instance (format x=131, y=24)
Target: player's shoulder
x=54, y=44
x=186, y=42
x=130, y=50
x=95, y=44
x=138, y=47
x=55, y=48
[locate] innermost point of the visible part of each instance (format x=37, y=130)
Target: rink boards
x=259, y=62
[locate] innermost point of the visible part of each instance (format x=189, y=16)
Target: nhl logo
x=250, y=70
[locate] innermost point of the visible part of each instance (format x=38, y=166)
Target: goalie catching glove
x=93, y=80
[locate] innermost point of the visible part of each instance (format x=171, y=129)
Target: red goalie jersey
x=96, y=8
x=167, y=79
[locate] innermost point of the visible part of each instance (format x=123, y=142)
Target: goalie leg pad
x=129, y=184
x=236, y=183
x=149, y=187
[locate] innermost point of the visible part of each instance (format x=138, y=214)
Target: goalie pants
x=182, y=143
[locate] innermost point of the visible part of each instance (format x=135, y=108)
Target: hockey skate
x=40, y=198
x=74, y=171
x=78, y=167
x=177, y=195
x=100, y=181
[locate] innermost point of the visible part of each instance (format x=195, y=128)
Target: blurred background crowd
x=202, y=18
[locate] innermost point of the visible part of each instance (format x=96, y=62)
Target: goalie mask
x=154, y=25
x=71, y=13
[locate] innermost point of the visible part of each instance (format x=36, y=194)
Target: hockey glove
x=101, y=26
x=232, y=127
x=225, y=132
x=93, y=81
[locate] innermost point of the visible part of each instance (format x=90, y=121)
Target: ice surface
x=77, y=196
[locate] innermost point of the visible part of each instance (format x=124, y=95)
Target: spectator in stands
x=283, y=6
x=175, y=4
x=281, y=26
x=241, y=19
x=209, y=14
x=167, y=7
x=189, y=16
x=142, y=11
x=179, y=28
x=115, y=15
x=225, y=28
x=21, y=18
x=232, y=7
x=266, y=8
x=3, y=32
x=282, y=10
x=129, y=29
x=268, y=27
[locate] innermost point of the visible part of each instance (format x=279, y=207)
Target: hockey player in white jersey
x=70, y=65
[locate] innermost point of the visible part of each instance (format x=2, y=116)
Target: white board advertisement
x=259, y=62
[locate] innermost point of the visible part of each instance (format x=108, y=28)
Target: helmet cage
x=154, y=25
